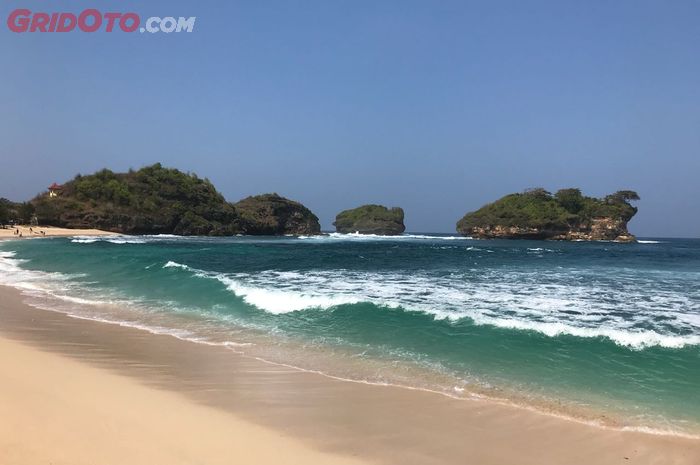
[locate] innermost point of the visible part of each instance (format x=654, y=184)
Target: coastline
x=50, y=231
x=317, y=414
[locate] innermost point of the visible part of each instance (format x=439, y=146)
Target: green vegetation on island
x=15, y=212
x=152, y=200
x=271, y=214
x=158, y=200
x=371, y=219
x=565, y=215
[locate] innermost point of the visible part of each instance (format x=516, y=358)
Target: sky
x=436, y=107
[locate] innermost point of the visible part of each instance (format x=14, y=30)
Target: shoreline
x=33, y=232
x=332, y=415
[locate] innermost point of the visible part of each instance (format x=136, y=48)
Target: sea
x=598, y=332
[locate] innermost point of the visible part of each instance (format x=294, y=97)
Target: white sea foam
x=115, y=239
x=84, y=240
x=649, y=242
x=124, y=239
x=377, y=237
x=280, y=301
x=547, y=303
x=58, y=292
x=540, y=249
x=172, y=264
x=630, y=310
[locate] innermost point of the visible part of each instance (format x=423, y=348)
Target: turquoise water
x=600, y=331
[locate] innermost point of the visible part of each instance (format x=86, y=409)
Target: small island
x=565, y=215
x=271, y=214
x=159, y=200
x=371, y=219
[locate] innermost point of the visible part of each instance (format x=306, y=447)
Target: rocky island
x=565, y=215
x=371, y=219
x=271, y=214
x=158, y=200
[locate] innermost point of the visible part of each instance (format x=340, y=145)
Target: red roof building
x=54, y=189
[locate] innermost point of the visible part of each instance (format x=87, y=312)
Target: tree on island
x=622, y=197
x=4, y=212
x=571, y=199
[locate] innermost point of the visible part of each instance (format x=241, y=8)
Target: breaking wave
x=377, y=237
x=495, y=300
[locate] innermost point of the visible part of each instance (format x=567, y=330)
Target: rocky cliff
x=271, y=214
x=566, y=215
x=371, y=219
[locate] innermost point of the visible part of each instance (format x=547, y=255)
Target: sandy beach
x=58, y=411
x=48, y=231
x=78, y=391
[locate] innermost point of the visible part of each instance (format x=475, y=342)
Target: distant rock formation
x=158, y=200
x=152, y=200
x=371, y=219
x=566, y=215
x=271, y=214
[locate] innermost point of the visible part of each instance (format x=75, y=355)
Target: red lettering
x=66, y=22
x=54, y=20
x=135, y=21
x=89, y=20
x=83, y=23
x=40, y=22
x=18, y=21
x=111, y=17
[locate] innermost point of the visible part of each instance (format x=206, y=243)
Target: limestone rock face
x=566, y=215
x=599, y=229
x=271, y=214
x=371, y=219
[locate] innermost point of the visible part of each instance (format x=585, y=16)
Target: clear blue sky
x=438, y=107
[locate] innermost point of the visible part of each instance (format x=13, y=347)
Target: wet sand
x=78, y=391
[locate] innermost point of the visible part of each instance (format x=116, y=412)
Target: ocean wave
x=633, y=315
x=497, y=301
x=129, y=239
x=649, y=242
x=637, y=339
x=280, y=301
x=375, y=237
x=172, y=264
x=43, y=283
x=83, y=240
x=48, y=290
x=116, y=239
x=275, y=301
